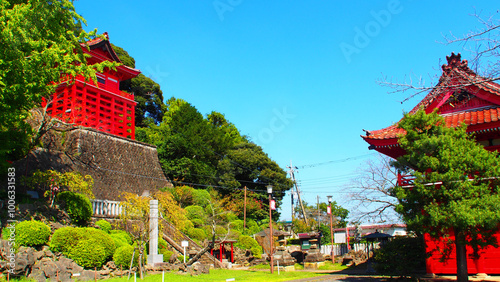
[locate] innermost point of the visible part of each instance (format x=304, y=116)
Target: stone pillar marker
x=153, y=256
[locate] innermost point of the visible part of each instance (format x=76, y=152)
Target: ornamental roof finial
x=454, y=61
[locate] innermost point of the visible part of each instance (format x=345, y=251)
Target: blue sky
x=298, y=79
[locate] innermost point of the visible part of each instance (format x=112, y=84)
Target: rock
x=43, y=269
x=105, y=272
x=25, y=258
x=67, y=267
x=172, y=259
x=89, y=275
x=38, y=275
x=111, y=265
x=202, y=268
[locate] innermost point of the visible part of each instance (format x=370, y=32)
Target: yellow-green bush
x=104, y=225
x=88, y=253
x=32, y=233
x=123, y=256
x=73, y=242
x=77, y=206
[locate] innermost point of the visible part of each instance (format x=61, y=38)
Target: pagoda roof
x=460, y=97
x=101, y=50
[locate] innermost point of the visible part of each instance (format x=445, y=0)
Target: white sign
x=184, y=243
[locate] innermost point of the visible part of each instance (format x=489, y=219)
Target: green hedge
x=404, y=256
x=32, y=233
x=77, y=206
x=89, y=247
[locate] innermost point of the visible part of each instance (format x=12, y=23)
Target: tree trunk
x=199, y=254
x=462, y=273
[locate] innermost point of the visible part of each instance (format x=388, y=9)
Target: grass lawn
x=223, y=275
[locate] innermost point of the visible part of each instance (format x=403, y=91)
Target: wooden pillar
x=220, y=251
x=232, y=253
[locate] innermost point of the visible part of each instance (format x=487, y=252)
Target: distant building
x=391, y=229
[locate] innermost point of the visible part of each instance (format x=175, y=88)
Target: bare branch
x=371, y=192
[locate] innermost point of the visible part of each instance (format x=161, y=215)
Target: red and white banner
x=273, y=205
x=328, y=210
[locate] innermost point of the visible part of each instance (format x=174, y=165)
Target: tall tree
x=456, y=185
x=210, y=152
x=39, y=44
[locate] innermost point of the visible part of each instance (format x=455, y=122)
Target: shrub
x=103, y=238
x=198, y=222
x=32, y=233
x=195, y=212
x=104, y=225
x=88, y=253
x=249, y=243
x=403, y=256
x=65, y=239
x=119, y=241
x=77, y=206
x=197, y=234
x=73, y=242
x=122, y=234
x=123, y=256
x=166, y=254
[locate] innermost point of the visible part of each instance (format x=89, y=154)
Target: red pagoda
x=101, y=106
x=461, y=96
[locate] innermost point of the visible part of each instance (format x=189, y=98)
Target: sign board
x=184, y=243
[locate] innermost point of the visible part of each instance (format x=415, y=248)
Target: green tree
x=455, y=188
x=39, y=44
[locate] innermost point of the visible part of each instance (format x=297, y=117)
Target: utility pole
x=245, y=211
x=292, y=176
x=317, y=207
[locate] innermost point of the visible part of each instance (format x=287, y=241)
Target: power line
x=335, y=161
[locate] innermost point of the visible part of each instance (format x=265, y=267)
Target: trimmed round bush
x=65, y=239
x=103, y=238
x=249, y=243
x=123, y=256
x=77, y=206
x=104, y=225
x=32, y=233
x=124, y=235
x=195, y=212
x=197, y=234
x=73, y=242
x=88, y=253
x=119, y=240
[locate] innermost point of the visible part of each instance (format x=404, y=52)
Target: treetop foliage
x=39, y=44
x=456, y=185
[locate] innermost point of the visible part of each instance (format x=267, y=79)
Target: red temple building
x=101, y=106
x=461, y=96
